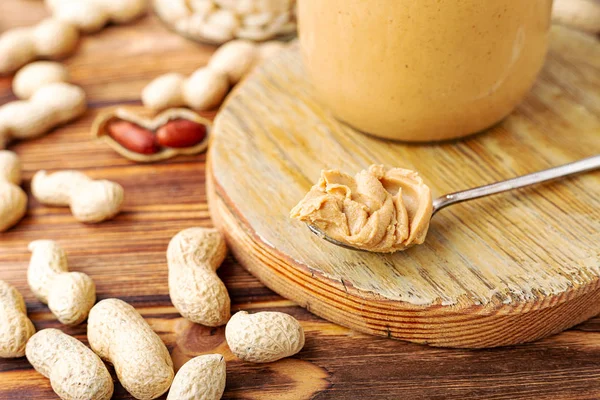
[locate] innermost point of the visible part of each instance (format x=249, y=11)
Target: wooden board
x=498, y=271
x=126, y=258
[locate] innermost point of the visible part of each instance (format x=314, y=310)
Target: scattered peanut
x=201, y=378
x=218, y=21
x=51, y=105
x=48, y=39
x=75, y=372
x=119, y=335
x=69, y=295
x=33, y=76
x=207, y=87
x=90, y=200
x=203, y=90
x=13, y=200
x=164, y=92
x=15, y=327
x=234, y=59
x=176, y=131
x=264, y=337
x=196, y=291
x=93, y=15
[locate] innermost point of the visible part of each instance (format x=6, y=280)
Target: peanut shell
x=100, y=131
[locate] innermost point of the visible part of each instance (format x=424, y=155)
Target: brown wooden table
x=126, y=258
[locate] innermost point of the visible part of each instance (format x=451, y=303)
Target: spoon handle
x=587, y=164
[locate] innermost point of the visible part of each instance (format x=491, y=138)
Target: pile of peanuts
x=119, y=335
x=116, y=332
x=218, y=21
x=49, y=100
x=178, y=130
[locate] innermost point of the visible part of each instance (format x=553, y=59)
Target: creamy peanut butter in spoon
x=380, y=209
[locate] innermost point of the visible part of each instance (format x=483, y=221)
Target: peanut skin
x=133, y=137
x=119, y=335
x=196, y=291
x=264, y=336
x=75, y=372
x=201, y=378
x=174, y=132
x=177, y=133
x=180, y=133
x=15, y=327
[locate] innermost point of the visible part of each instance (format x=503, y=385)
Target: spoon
x=577, y=167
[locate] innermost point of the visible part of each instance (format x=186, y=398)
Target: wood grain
x=126, y=258
x=497, y=271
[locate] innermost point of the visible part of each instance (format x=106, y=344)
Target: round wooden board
x=497, y=271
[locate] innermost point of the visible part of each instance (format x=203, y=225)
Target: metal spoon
x=577, y=167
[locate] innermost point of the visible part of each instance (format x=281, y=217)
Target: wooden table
x=126, y=258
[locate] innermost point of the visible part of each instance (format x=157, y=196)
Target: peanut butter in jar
x=423, y=70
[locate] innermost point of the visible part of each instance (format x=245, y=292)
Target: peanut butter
x=380, y=209
x=423, y=70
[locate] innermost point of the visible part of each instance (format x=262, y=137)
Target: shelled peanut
x=13, y=200
x=47, y=100
x=174, y=132
x=206, y=88
x=218, y=21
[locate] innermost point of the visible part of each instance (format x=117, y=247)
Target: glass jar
x=423, y=70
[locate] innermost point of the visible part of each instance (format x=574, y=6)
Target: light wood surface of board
x=497, y=271
x=126, y=259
